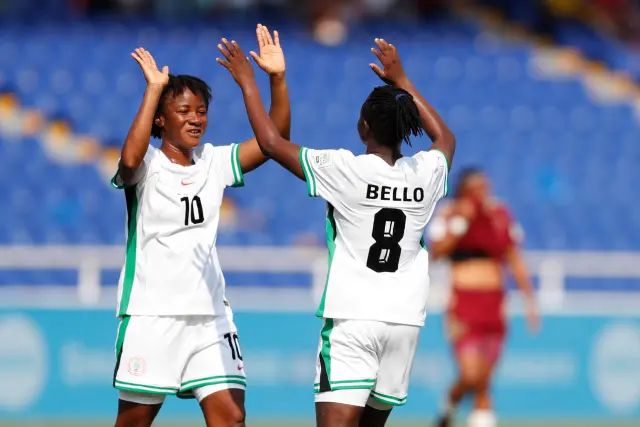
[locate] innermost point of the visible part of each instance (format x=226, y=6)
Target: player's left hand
x=392, y=72
x=236, y=62
x=271, y=57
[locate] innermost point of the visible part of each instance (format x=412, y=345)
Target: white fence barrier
x=551, y=268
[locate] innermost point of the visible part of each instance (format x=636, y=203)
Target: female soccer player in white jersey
x=176, y=334
x=378, y=206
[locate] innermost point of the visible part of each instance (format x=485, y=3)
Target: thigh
x=137, y=409
x=332, y=414
x=224, y=408
x=396, y=362
x=216, y=363
x=148, y=355
x=347, y=358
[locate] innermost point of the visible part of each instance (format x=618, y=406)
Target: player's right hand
x=392, y=71
x=152, y=74
x=270, y=57
x=236, y=62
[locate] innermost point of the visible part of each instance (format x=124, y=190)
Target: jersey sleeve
x=325, y=172
x=139, y=175
x=226, y=161
x=436, y=168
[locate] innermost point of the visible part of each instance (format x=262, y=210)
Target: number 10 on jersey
x=193, y=210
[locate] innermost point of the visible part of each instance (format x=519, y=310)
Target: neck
x=177, y=155
x=388, y=154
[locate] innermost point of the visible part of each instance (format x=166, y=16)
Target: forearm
x=137, y=141
x=521, y=275
x=280, y=110
x=263, y=127
x=433, y=124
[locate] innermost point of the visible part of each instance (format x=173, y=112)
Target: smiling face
x=183, y=119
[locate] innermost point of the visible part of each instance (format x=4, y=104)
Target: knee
x=477, y=382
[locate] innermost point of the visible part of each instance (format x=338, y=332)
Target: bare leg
x=132, y=414
x=224, y=408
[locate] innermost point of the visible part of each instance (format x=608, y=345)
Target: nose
x=195, y=120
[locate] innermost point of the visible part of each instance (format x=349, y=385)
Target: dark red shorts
x=476, y=324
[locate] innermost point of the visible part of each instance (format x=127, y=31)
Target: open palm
x=152, y=74
x=271, y=58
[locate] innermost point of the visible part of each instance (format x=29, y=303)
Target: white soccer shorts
x=167, y=355
x=371, y=359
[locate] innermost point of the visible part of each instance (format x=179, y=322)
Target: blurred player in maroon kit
x=480, y=238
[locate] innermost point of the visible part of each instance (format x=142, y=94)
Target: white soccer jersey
x=171, y=265
x=376, y=216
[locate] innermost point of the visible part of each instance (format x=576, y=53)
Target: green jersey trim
x=132, y=244
x=309, y=176
x=331, y=230
x=446, y=177
x=236, y=167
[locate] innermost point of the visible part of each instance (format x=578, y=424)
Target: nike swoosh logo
x=239, y=367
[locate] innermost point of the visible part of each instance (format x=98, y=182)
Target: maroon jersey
x=490, y=234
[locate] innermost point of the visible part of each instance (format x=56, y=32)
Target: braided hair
x=176, y=86
x=392, y=115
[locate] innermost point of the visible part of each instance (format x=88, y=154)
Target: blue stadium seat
x=566, y=165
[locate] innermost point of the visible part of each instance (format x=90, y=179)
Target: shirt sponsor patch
x=323, y=160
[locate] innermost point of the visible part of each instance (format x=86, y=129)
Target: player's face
x=185, y=119
x=477, y=186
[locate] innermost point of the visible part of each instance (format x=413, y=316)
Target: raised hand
x=152, y=74
x=393, y=71
x=236, y=62
x=271, y=57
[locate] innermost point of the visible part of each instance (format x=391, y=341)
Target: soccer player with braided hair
x=378, y=205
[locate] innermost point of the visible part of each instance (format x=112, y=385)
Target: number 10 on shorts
x=233, y=345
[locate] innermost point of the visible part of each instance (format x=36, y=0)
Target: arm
x=137, y=142
x=251, y=155
x=268, y=138
x=271, y=60
x=446, y=231
x=518, y=268
x=393, y=73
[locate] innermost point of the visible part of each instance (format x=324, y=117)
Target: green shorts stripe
x=371, y=381
x=141, y=388
x=220, y=379
x=325, y=356
x=122, y=330
x=391, y=400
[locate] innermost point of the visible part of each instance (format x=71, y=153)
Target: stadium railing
x=550, y=270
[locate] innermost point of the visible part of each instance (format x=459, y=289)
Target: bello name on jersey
x=376, y=216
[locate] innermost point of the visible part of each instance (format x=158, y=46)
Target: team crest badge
x=137, y=366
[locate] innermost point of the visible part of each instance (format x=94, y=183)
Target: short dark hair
x=176, y=86
x=463, y=177
x=392, y=115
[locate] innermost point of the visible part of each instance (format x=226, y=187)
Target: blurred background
x=542, y=94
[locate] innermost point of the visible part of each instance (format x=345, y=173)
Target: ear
x=159, y=121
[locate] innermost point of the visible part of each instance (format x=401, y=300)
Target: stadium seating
x=565, y=164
